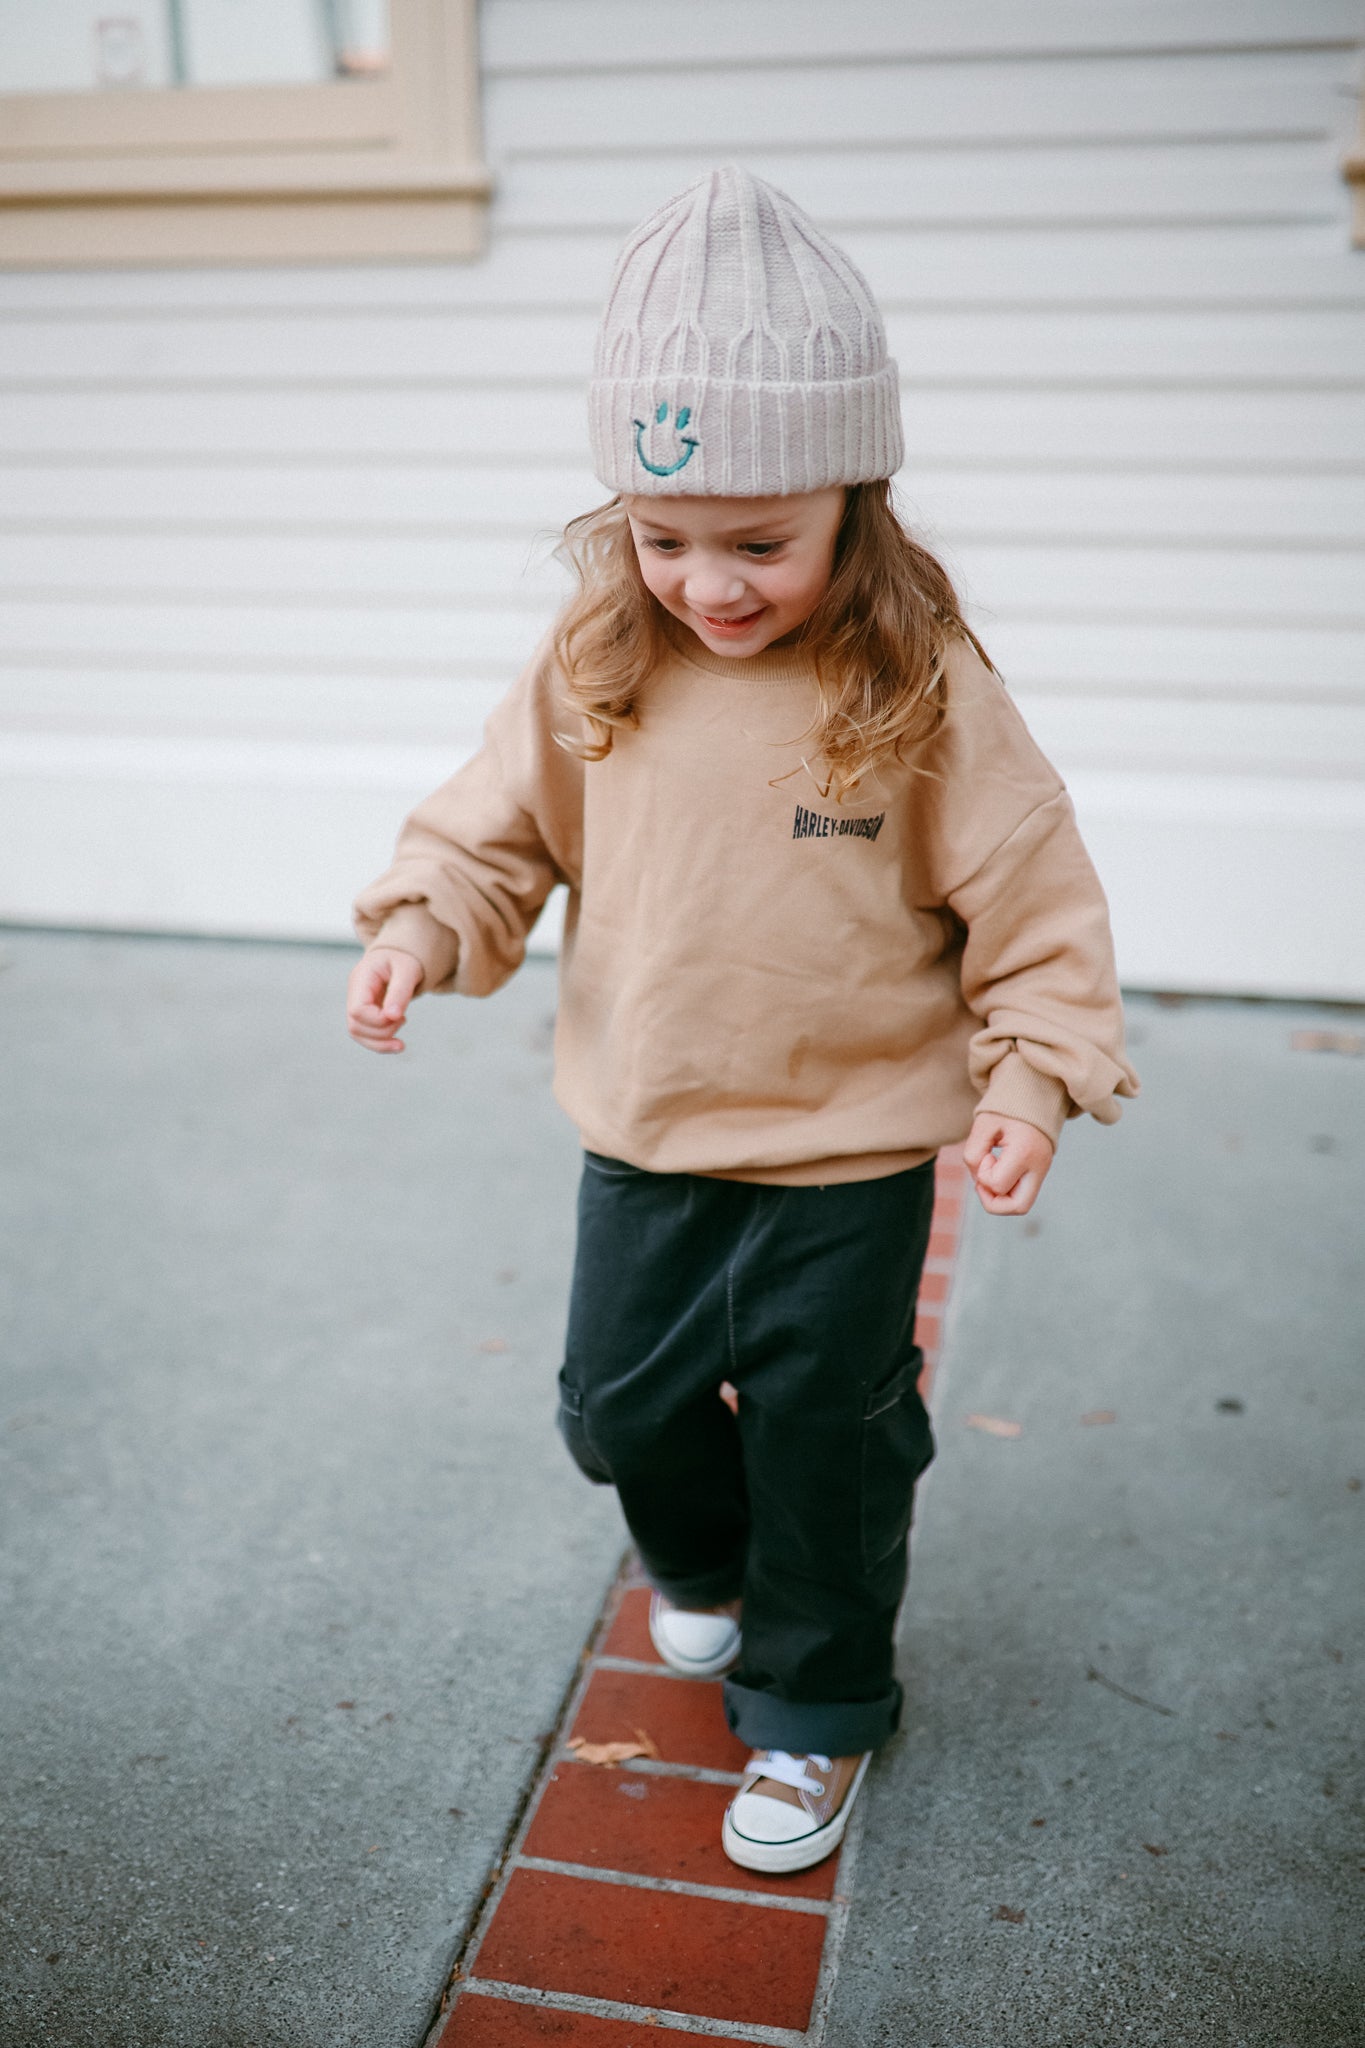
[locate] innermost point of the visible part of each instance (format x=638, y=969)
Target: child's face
x=741, y=573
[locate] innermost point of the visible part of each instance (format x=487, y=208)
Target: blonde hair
x=878, y=638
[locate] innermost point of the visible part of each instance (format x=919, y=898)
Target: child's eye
x=665, y=547
x=760, y=548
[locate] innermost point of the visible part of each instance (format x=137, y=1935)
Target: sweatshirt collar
x=773, y=665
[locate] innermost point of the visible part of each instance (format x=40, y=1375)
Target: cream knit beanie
x=741, y=355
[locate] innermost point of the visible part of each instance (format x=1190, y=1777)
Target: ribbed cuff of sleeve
x=411, y=928
x=1017, y=1089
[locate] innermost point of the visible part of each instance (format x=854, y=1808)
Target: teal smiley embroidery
x=689, y=442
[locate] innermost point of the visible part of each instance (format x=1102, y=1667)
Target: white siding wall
x=271, y=542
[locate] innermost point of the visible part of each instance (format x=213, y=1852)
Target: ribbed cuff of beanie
x=743, y=440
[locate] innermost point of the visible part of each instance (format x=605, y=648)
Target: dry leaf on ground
x=1012, y=1914
x=1349, y=1042
x=994, y=1425
x=612, y=1752
x=495, y=1344
x=1100, y=1415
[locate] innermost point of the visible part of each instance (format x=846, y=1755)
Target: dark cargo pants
x=804, y=1298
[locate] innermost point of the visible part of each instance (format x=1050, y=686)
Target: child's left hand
x=1007, y=1181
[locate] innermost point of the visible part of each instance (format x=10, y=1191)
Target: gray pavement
x=1176, y=1841
x=293, y=1564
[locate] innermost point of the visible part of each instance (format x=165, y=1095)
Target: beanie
x=741, y=355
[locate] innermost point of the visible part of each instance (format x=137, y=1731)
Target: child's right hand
x=381, y=986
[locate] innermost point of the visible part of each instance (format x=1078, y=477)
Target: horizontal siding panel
x=1149, y=733
x=1208, y=583
x=292, y=875
x=277, y=705
x=1228, y=884
x=1073, y=508
x=1301, y=664
x=771, y=106
x=550, y=35
x=267, y=497
x=1013, y=346
x=275, y=532
x=1255, y=431
x=1286, y=180
x=350, y=569
x=230, y=763
x=1194, y=584
x=427, y=639
x=1237, y=263
x=948, y=506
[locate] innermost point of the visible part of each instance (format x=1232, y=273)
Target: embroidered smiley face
x=688, y=441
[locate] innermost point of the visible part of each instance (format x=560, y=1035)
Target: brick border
x=644, y=1923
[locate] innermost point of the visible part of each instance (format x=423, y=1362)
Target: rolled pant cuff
x=806, y=1727
x=714, y=1589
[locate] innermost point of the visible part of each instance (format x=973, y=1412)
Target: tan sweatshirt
x=756, y=982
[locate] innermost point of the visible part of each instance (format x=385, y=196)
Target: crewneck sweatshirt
x=756, y=981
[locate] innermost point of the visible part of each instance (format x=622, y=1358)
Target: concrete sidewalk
x=1126, y=1803
x=295, y=1569
x=296, y=1573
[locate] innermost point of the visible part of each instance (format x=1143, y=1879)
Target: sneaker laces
x=791, y=1770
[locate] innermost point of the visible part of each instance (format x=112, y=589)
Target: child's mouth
x=740, y=625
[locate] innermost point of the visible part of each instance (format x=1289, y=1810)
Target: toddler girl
x=828, y=910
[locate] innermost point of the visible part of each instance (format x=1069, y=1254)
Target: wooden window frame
x=356, y=169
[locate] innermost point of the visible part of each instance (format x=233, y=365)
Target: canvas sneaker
x=791, y=1811
x=700, y=1642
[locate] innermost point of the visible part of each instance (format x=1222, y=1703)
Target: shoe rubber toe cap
x=760, y=1819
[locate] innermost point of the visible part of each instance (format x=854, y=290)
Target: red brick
x=628, y=1635
x=707, y=1957
x=943, y=1242
x=653, y=1827
x=928, y=1332
x=682, y=1717
x=479, y=2022
x=934, y=1287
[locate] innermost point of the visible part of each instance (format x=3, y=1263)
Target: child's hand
x=381, y=986
x=1007, y=1181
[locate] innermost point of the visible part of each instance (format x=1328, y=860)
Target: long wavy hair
x=878, y=639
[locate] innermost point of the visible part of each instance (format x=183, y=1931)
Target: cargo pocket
x=898, y=1444
x=570, y=1421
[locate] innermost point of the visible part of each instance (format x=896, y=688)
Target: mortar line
x=638, y=1880
x=654, y=2016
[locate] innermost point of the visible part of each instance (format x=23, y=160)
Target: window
x=191, y=131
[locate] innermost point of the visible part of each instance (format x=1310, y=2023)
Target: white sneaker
x=791, y=1811
x=701, y=1642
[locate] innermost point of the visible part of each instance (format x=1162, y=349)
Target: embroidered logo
x=689, y=442
x=816, y=825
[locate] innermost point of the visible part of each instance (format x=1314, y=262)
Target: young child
x=828, y=911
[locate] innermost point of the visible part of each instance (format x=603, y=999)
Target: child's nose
x=711, y=585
